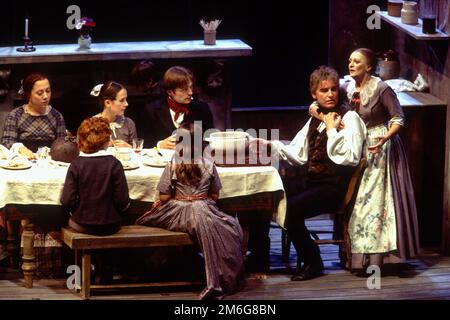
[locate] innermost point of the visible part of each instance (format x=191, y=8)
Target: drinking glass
x=43, y=153
x=43, y=156
x=428, y=13
x=138, y=144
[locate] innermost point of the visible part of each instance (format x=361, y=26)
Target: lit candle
x=26, y=27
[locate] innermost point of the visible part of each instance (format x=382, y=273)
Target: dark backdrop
x=288, y=41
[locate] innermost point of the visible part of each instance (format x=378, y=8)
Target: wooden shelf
x=126, y=51
x=419, y=99
x=414, y=31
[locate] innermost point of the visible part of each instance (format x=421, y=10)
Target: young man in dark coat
x=162, y=117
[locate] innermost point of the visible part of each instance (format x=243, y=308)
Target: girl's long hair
x=188, y=171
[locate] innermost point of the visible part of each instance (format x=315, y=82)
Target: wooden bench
x=128, y=237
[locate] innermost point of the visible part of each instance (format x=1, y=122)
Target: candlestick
x=26, y=27
x=27, y=43
x=27, y=46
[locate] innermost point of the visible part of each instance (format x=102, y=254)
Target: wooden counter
x=419, y=99
x=126, y=51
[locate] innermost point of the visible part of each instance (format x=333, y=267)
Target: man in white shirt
x=330, y=155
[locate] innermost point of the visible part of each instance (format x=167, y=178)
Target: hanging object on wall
x=4, y=83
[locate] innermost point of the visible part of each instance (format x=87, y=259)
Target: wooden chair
x=340, y=226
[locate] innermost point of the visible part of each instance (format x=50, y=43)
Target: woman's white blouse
x=344, y=147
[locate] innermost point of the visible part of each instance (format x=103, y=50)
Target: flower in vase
x=85, y=26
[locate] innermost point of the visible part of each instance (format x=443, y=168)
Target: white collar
x=367, y=91
x=100, y=153
x=179, y=120
x=116, y=124
x=49, y=108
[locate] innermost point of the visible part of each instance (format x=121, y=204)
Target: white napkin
x=5, y=154
x=402, y=85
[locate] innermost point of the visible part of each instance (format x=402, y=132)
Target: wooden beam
x=446, y=209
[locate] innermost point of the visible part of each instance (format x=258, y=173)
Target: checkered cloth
x=21, y=126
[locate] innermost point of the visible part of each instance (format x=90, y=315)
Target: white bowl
x=123, y=154
x=228, y=141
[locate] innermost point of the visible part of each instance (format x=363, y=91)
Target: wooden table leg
x=86, y=275
x=28, y=258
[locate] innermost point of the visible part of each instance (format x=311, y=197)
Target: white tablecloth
x=42, y=184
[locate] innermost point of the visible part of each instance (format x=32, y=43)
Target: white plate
x=129, y=165
x=153, y=163
x=166, y=154
x=21, y=166
x=58, y=163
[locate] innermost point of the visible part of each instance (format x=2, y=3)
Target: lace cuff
x=397, y=120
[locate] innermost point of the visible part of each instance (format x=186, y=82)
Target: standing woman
x=112, y=97
x=36, y=123
x=383, y=226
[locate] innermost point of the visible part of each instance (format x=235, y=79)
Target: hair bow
x=96, y=90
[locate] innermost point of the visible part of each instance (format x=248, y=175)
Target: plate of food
x=15, y=164
x=58, y=164
x=154, y=161
x=128, y=165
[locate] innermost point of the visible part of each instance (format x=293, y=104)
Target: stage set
x=252, y=68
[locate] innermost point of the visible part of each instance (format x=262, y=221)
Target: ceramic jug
x=410, y=13
x=394, y=8
x=389, y=65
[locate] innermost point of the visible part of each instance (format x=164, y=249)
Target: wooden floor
x=427, y=277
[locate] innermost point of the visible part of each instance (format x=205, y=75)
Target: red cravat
x=177, y=108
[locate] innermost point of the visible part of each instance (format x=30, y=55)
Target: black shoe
x=308, y=272
x=361, y=272
x=254, y=265
x=209, y=294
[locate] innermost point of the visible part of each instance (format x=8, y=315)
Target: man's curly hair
x=320, y=74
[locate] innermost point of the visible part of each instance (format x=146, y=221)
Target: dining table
x=245, y=188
